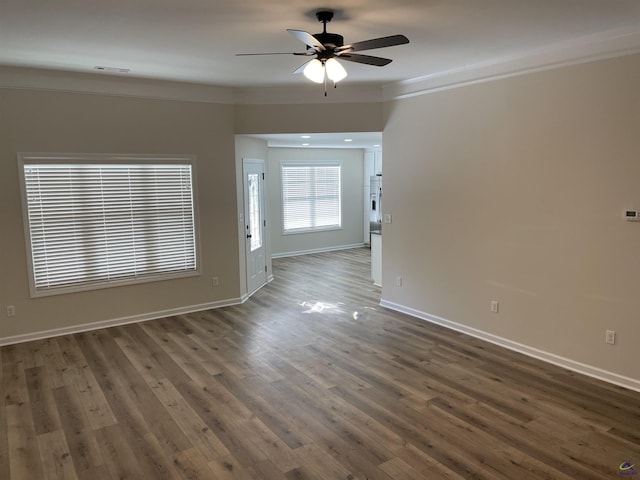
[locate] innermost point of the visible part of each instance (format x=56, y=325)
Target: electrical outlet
x=610, y=337
x=215, y=281
x=495, y=306
x=398, y=281
x=11, y=311
x=386, y=218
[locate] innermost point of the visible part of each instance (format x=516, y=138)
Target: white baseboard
x=57, y=332
x=317, y=250
x=591, y=371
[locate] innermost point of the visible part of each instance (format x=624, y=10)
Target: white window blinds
x=311, y=197
x=93, y=224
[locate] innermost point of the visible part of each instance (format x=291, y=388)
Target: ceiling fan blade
x=307, y=39
x=374, y=43
x=306, y=54
x=366, y=59
x=301, y=68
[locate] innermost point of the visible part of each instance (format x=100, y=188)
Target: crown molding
x=119, y=85
x=109, y=84
x=601, y=46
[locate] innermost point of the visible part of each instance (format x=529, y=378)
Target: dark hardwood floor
x=309, y=379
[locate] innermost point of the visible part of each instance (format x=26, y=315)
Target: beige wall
x=352, y=161
x=33, y=121
x=513, y=190
x=311, y=118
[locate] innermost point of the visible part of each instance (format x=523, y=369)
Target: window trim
x=25, y=158
x=315, y=163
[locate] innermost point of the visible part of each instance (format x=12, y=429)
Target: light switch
x=632, y=215
x=386, y=218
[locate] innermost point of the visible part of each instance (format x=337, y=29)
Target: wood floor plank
x=43, y=408
x=55, y=456
x=46, y=354
x=14, y=385
x=362, y=425
x=278, y=420
x=201, y=436
x=24, y=452
x=402, y=421
x=228, y=468
x=340, y=439
x=119, y=458
x=320, y=369
x=266, y=469
x=318, y=463
x=137, y=400
x=227, y=429
x=91, y=397
x=193, y=466
x=397, y=469
x=508, y=431
x=4, y=442
x=83, y=447
x=268, y=442
x=425, y=464
x=507, y=461
x=591, y=453
x=195, y=360
x=579, y=399
x=113, y=384
x=70, y=351
x=310, y=378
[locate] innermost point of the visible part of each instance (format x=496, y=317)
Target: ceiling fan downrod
x=329, y=40
x=324, y=16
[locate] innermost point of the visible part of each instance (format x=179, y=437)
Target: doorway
x=255, y=223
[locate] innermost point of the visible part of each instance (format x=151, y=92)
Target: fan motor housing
x=330, y=40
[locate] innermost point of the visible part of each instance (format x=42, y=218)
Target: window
x=311, y=197
x=254, y=197
x=103, y=220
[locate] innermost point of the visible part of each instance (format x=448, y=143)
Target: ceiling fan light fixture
x=335, y=71
x=314, y=71
x=327, y=46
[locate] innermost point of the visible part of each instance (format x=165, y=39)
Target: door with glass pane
x=253, y=172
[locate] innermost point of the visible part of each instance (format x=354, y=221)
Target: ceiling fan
x=327, y=48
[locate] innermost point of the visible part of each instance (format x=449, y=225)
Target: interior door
x=253, y=173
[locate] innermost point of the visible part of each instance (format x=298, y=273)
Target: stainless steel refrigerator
x=375, y=205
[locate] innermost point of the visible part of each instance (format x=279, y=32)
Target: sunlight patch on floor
x=332, y=308
x=321, y=307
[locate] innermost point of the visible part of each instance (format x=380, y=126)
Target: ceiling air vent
x=112, y=69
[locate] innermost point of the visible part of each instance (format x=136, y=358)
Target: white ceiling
x=363, y=140
x=196, y=40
